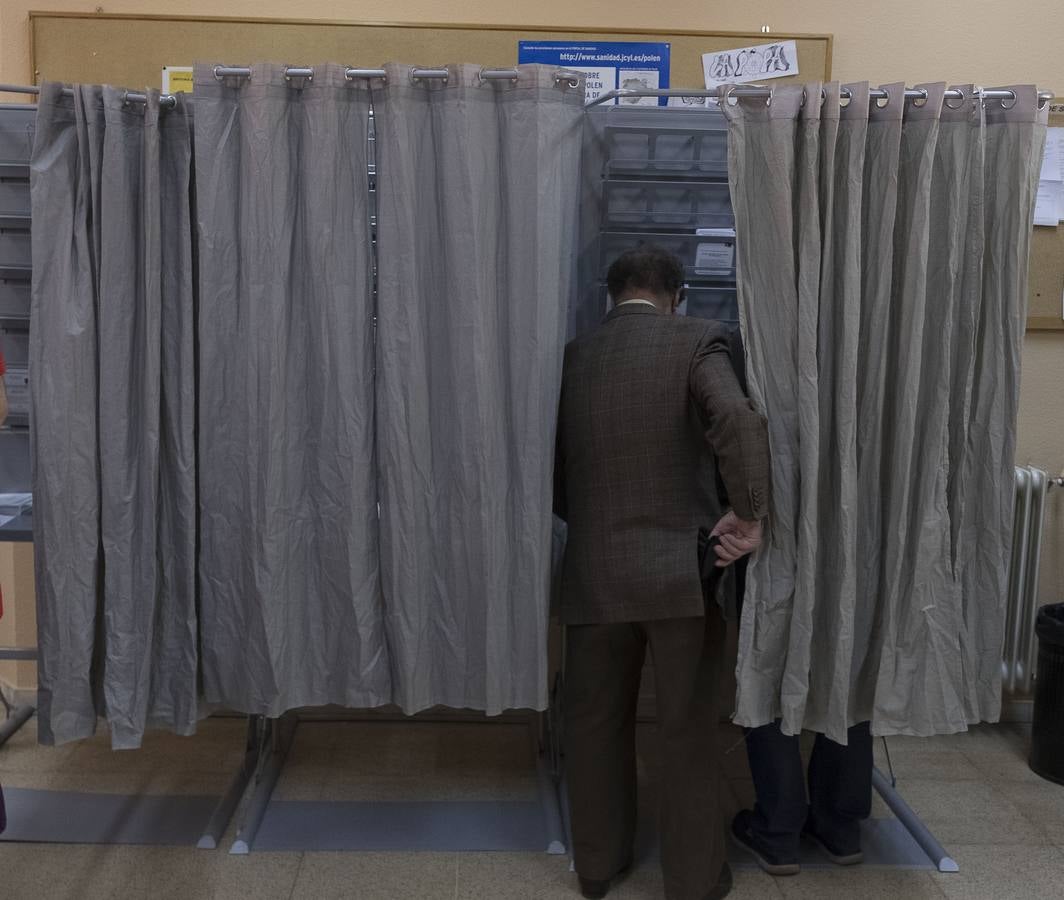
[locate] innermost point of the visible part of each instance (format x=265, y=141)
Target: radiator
x=1021, y=648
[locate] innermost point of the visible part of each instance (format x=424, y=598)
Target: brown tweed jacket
x=647, y=399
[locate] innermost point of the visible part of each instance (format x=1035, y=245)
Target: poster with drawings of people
x=743, y=65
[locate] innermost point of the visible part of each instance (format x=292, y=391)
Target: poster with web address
x=607, y=67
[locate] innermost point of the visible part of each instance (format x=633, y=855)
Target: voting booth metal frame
x=669, y=186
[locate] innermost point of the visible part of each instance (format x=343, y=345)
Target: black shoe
x=724, y=885
x=841, y=856
x=771, y=862
x=594, y=889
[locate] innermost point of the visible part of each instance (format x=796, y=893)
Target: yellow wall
x=887, y=40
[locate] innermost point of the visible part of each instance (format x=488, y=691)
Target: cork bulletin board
x=130, y=50
x=1046, y=303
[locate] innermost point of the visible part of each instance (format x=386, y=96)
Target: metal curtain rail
x=220, y=72
x=762, y=92
x=756, y=91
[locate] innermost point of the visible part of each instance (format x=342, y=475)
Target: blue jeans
x=840, y=788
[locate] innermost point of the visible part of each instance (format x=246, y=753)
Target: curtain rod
x=755, y=91
x=220, y=72
x=762, y=92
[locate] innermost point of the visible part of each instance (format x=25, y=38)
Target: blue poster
x=606, y=67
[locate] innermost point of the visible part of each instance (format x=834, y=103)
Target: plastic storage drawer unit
x=667, y=204
x=702, y=255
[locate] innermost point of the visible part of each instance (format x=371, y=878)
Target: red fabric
x=3, y=365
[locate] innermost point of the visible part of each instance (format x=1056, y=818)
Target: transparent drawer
x=713, y=301
x=15, y=457
x=706, y=255
x=16, y=132
x=14, y=240
x=14, y=299
x=16, y=342
x=663, y=150
x=14, y=190
x=669, y=204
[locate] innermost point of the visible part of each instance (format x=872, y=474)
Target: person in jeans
x=839, y=778
x=840, y=796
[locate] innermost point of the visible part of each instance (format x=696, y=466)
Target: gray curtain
x=477, y=191
x=883, y=285
x=291, y=606
x=112, y=398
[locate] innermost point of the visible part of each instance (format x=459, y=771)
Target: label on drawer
x=715, y=257
x=17, y=384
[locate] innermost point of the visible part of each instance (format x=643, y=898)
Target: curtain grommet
x=920, y=101
x=567, y=78
x=1007, y=105
x=946, y=102
x=217, y=73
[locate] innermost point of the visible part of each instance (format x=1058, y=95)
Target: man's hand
x=737, y=538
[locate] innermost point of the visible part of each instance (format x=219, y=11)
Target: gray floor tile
x=1005, y=873
x=969, y=812
x=930, y=764
x=384, y=748
x=377, y=876
x=858, y=882
x=160, y=781
x=1004, y=766
x=190, y=874
x=515, y=876
x=55, y=872
x=1042, y=803
x=473, y=749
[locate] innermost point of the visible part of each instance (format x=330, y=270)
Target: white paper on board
x=1049, y=203
x=746, y=64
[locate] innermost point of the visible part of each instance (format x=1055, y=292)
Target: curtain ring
x=883, y=102
x=288, y=77
x=1005, y=105
x=845, y=97
x=725, y=92
x=920, y=101
x=569, y=79
x=960, y=103
x=217, y=77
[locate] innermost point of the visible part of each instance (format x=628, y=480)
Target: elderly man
x=648, y=399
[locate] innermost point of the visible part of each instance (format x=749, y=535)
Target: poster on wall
x=743, y=65
x=607, y=66
x=177, y=79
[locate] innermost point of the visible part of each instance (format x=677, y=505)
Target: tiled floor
x=1003, y=824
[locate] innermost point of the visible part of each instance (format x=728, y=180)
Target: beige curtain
x=882, y=251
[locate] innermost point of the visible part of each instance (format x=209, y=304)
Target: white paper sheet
x=746, y=64
x=1049, y=203
x=1053, y=160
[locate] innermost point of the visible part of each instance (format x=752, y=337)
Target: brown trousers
x=602, y=672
